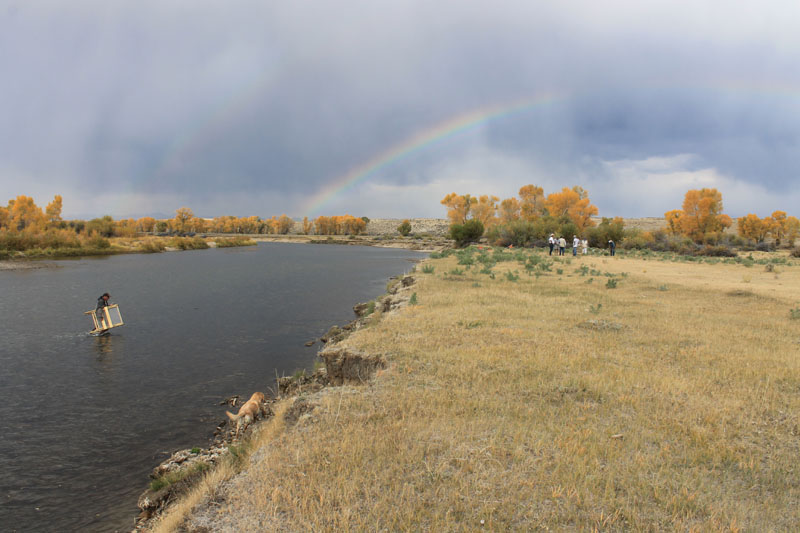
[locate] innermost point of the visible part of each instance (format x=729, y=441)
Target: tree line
x=531, y=217
x=25, y=225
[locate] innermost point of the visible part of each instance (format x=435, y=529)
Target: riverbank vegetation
x=527, y=392
x=30, y=232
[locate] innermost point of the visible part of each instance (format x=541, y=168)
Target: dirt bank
x=178, y=479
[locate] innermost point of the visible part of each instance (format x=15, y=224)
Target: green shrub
x=510, y=276
x=413, y=299
x=97, y=241
x=428, y=269
x=469, y=231
x=611, y=283
x=404, y=228
x=608, y=229
x=465, y=257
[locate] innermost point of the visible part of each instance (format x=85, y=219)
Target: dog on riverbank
x=248, y=412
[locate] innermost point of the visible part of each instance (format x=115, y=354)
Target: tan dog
x=248, y=412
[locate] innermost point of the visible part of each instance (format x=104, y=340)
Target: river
x=85, y=419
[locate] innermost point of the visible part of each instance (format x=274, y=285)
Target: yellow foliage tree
x=673, y=221
x=753, y=227
x=573, y=203
x=777, y=226
x=53, y=210
x=509, y=210
x=792, y=229
x=24, y=214
x=198, y=225
x=307, y=226
x=182, y=217
x=3, y=217
x=702, y=210
x=283, y=224
x=485, y=210
x=458, y=207
x=531, y=202
x=146, y=224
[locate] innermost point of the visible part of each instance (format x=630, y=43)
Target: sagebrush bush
x=469, y=231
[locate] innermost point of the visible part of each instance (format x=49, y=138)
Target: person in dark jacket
x=612, y=246
x=101, y=303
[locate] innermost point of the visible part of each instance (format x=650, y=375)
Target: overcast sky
x=252, y=107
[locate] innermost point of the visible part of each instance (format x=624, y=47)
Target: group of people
x=561, y=243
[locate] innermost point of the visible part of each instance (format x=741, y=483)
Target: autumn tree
x=198, y=225
x=673, y=221
x=792, y=229
x=458, y=207
x=24, y=214
x=146, y=224
x=777, y=226
x=485, y=210
x=531, y=202
x=702, y=210
x=573, y=203
x=182, y=217
x=3, y=217
x=509, y=210
x=283, y=224
x=307, y=226
x=753, y=227
x=53, y=210
x=352, y=225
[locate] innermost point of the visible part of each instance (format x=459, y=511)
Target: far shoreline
x=424, y=245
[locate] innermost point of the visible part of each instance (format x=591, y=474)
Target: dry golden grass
x=505, y=408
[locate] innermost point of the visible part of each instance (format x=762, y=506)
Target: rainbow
x=420, y=141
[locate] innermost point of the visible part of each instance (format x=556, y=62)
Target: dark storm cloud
x=246, y=107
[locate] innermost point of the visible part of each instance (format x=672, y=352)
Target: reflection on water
x=104, y=346
x=84, y=419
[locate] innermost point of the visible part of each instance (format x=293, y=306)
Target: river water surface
x=83, y=420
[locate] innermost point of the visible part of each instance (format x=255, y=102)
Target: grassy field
x=594, y=393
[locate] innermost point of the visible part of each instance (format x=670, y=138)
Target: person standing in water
x=99, y=311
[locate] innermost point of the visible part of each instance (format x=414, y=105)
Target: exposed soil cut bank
x=298, y=395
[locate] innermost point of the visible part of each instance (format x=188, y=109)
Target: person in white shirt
x=575, y=243
x=552, y=242
x=585, y=245
x=562, y=244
